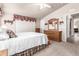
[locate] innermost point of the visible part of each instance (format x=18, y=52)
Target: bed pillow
x=2, y=30
x=4, y=36
x=11, y=34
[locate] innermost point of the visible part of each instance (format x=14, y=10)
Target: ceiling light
x=43, y=5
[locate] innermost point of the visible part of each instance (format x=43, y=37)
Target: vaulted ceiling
x=29, y=9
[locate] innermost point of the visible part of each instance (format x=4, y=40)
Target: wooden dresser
x=54, y=35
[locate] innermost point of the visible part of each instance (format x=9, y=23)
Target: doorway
x=74, y=29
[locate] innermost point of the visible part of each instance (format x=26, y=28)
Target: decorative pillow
x=11, y=34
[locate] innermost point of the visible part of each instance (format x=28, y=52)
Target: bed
x=24, y=43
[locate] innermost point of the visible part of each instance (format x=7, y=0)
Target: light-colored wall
x=23, y=26
x=64, y=14
x=17, y=26
x=1, y=5
x=38, y=23
x=29, y=9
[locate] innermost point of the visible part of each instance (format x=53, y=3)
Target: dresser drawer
x=49, y=32
x=53, y=35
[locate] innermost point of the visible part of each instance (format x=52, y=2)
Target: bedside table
x=37, y=30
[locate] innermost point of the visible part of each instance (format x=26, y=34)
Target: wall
x=17, y=26
x=63, y=13
x=38, y=23
x=1, y=5
x=23, y=26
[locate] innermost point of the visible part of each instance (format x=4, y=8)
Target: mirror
x=53, y=24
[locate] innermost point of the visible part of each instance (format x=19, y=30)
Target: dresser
x=54, y=35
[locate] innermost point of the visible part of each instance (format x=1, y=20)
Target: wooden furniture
x=37, y=30
x=76, y=30
x=54, y=35
x=4, y=52
x=54, y=23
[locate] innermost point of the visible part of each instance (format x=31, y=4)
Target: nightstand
x=37, y=30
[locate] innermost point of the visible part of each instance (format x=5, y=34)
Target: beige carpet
x=60, y=49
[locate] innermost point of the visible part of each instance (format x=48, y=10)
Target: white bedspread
x=24, y=41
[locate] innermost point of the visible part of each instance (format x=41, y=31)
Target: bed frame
x=28, y=52
x=31, y=51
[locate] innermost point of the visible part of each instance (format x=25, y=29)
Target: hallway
x=76, y=38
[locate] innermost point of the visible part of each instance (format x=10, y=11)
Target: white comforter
x=24, y=41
